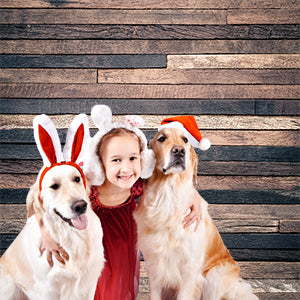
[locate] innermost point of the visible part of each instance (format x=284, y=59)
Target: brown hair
x=120, y=131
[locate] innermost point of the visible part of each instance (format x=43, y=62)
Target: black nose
x=178, y=151
x=79, y=207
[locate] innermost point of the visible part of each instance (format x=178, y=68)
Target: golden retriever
x=182, y=263
x=62, y=200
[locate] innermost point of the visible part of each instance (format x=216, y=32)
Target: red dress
x=119, y=279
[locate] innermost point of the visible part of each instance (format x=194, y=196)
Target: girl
x=116, y=160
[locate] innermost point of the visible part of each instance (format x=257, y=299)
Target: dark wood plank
x=201, y=76
x=148, y=106
x=149, y=46
x=108, y=16
x=289, y=226
x=232, y=241
x=204, y=168
x=215, y=153
x=158, y=32
x=13, y=90
x=149, y=4
x=13, y=196
x=83, y=61
x=278, y=296
x=263, y=16
x=272, y=138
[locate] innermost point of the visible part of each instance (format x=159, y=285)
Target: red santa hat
x=187, y=123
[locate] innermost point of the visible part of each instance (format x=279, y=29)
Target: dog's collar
x=69, y=163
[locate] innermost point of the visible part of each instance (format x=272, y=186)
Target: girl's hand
x=49, y=245
x=195, y=212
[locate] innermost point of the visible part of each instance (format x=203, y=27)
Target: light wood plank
x=152, y=122
x=48, y=75
x=151, y=4
x=204, y=182
x=263, y=16
x=148, y=46
x=199, y=76
x=252, y=61
x=106, y=16
x=117, y=91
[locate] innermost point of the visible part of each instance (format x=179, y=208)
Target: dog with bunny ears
x=60, y=197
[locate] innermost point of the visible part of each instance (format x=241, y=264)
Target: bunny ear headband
x=102, y=118
x=47, y=140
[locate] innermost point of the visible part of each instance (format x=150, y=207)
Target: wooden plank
x=83, y=61
x=204, y=167
x=278, y=296
x=18, y=196
x=234, y=61
x=149, y=46
x=245, y=154
x=12, y=226
x=200, y=76
x=151, y=106
x=204, y=182
x=263, y=16
x=48, y=75
x=108, y=16
x=152, y=122
x=228, y=137
x=14, y=90
x=240, y=211
x=150, y=4
x=289, y=226
x=158, y=32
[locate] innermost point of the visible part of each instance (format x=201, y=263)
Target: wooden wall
x=233, y=64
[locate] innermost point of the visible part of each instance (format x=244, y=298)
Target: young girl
x=116, y=160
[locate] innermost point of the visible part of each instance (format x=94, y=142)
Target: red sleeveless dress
x=119, y=279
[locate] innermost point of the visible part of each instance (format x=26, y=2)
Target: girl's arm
x=195, y=213
x=48, y=244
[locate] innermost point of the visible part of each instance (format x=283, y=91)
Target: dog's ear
x=32, y=199
x=194, y=161
x=47, y=140
x=77, y=138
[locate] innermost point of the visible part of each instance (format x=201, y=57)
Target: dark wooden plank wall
x=232, y=64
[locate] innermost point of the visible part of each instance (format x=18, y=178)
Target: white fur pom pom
x=134, y=121
x=204, y=144
x=101, y=116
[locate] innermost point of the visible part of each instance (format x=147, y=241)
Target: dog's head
x=173, y=152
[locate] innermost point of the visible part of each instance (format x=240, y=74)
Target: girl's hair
x=120, y=131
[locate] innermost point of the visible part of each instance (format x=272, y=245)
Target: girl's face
x=122, y=161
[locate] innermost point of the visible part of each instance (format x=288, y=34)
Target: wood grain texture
x=83, y=61
x=241, y=107
x=149, y=91
x=152, y=122
x=204, y=182
x=149, y=46
x=217, y=137
x=150, y=4
x=289, y=226
x=158, y=32
x=200, y=76
x=263, y=16
x=48, y=76
x=106, y=16
x=234, y=61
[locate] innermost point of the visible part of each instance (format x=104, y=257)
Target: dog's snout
x=178, y=151
x=79, y=207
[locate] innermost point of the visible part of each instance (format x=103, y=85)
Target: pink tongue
x=80, y=222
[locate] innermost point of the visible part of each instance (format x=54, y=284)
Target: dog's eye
x=185, y=139
x=77, y=179
x=162, y=139
x=54, y=186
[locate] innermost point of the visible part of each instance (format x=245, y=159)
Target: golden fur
x=181, y=263
x=25, y=273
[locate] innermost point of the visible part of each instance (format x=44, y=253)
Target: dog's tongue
x=80, y=222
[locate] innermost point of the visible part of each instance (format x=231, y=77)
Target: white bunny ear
x=47, y=140
x=134, y=121
x=101, y=116
x=77, y=138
